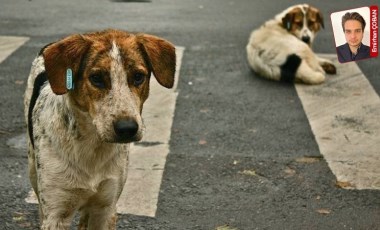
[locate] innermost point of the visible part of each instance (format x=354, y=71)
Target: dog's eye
x=97, y=80
x=138, y=79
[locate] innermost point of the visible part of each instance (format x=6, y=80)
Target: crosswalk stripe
x=344, y=114
x=8, y=44
x=147, y=158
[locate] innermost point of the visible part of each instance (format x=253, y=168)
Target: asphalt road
x=242, y=153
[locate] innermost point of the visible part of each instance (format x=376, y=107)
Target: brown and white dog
x=281, y=48
x=83, y=105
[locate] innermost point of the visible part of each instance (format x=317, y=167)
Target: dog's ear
x=62, y=55
x=293, y=16
x=161, y=57
x=287, y=21
x=316, y=16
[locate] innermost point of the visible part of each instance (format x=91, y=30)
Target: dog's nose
x=305, y=39
x=125, y=129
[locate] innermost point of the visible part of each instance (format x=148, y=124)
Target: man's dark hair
x=353, y=16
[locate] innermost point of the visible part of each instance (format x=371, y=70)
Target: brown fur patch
x=293, y=20
x=314, y=19
x=329, y=68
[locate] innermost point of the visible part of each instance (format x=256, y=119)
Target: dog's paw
x=328, y=67
x=318, y=78
x=314, y=78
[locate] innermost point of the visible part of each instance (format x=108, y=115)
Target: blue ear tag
x=69, y=79
x=288, y=25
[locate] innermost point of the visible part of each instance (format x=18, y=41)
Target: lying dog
x=281, y=48
x=83, y=105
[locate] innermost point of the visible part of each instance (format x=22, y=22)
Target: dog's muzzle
x=126, y=130
x=306, y=39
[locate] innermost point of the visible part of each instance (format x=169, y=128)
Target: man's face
x=353, y=32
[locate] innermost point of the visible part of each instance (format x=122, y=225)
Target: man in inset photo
x=353, y=27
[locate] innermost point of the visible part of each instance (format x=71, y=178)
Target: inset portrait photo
x=356, y=33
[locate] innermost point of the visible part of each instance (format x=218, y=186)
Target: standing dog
x=281, y=48
x=83, y=105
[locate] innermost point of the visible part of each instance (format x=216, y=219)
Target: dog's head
x=111, y=71
x=303, y=21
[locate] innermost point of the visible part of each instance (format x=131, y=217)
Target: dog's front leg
x=55, y=222
x=52, y=225
x=101, y=208
x=58, y=207
x=103, y=218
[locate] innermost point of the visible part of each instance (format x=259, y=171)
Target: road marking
x=8, y=44
x=344, y=114
x=148, y=157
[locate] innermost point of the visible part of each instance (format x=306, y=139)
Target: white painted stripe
x=344, y=114
x=147, y=161
x=9, y=44
x=140, y=194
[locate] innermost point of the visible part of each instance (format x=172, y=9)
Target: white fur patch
x=115, y=52
x=118, y=73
